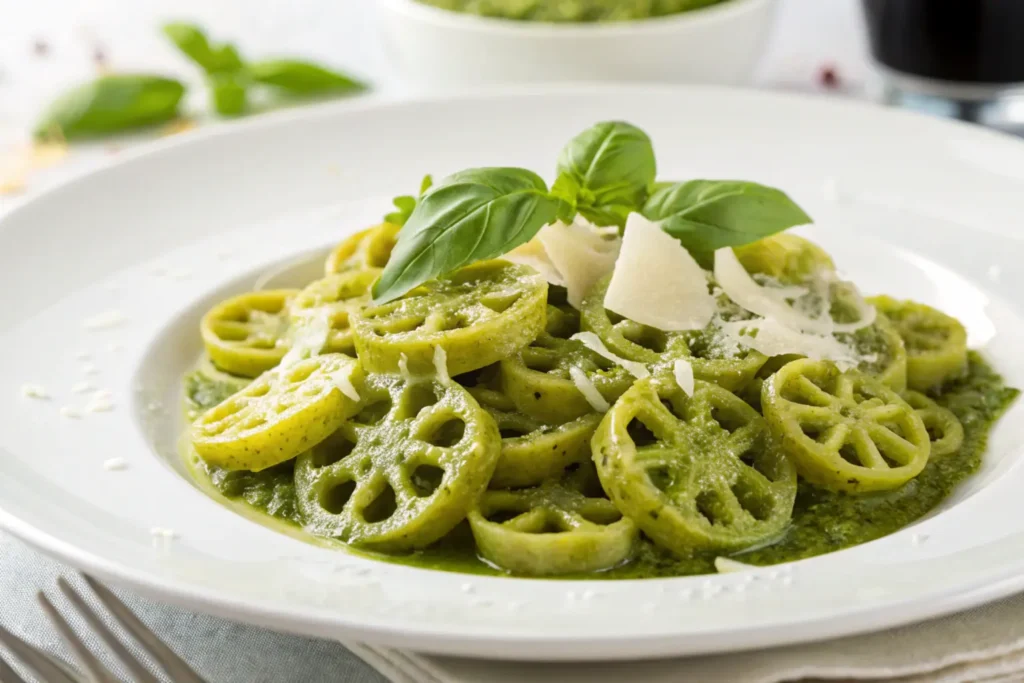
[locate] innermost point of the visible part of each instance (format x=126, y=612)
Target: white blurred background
x=47, y=46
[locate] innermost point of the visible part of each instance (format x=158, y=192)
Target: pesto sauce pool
x=823, y=521
x=571, y=11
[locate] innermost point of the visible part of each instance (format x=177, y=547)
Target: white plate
x=916, y=207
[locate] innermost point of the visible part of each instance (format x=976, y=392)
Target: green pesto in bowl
x=568, y=11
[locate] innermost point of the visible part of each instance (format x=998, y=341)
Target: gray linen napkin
x=983, y=645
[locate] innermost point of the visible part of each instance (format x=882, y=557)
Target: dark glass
x=966, y=41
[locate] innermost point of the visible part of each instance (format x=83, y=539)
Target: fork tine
x=43, y=665
x=7, y=674
x=96, y=672
x=172, y=664
x=136, y=667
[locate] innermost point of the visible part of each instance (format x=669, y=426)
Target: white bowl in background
x=440, y=48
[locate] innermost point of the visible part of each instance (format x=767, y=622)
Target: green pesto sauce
x=571, y=10
x=823, y=521
x=203, y=392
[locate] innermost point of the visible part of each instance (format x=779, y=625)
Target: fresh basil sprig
x=605, y=173
x=614, y=166
x=302, y=78
x=229, y=92
x=406, y=204
x=470, y=216
x=706, y=215
x=226, y=75
x=110, y=104
x=192, y=41
x=230, y=78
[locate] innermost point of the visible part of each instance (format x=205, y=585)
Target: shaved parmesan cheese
x=657, y=282
x=789, y=292
x=771, y=338
x=343, y=380
x=441, y=365
x=726, y=566
x=115, y=464
x=164, y=533
x=683, y=372
x=82, y=388
x=580, y=254
x=34, y=391
x=771, y=303
x=741, y=288
x=532, y=254
x=589, y=391
x=105, y=320
x=866, y=313
x=594, y=343
x=403, y=367
x=70, y=412
x=99, y=404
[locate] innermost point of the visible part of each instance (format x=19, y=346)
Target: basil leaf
x=192, y=41
x=229, y=93
x=568, y=190
x=610, y=214
x=302, y=78
x=406, y=204
x=227, y=58
x=111, y=104
x=470, y=216
x=706, y=215
x=614, y=164
x=662, y=184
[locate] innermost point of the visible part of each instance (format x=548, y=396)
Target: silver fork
x=49, y=669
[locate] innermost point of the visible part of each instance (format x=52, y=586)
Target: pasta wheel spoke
x=425, y=450
x=438, y=321
x=248, y=334
x=281, y=414
x=742, y=441
x=815, y=418
x=833, y=438
x=944, y=429
x=551, y=529
x=563, y=320
x=883, y=413
x=936, y=344
x=694, y=472
x=452, y=313
x=803, y=390
x=529, y=522
x=872, y=440
x=232, y=330
x=654, y=456
x=866, y=450
x=844, y=390
x=405, y=489
x=532, y=452
x=537, y=379
x=890, y=445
